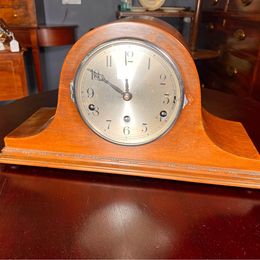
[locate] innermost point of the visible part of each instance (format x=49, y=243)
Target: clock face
x=128, y=91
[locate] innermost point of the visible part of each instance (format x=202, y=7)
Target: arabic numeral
x=96, y=111
x=108, y=124
x=163, y=78
x=90, y=93
x=144, y=128
x=129, y=57
x=94, y=74
x=166, y=99
x=126, y=130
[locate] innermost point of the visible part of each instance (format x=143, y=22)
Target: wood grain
x=196, y=149
x=26, y=19
x=64, y=214
x=13, y=81
x=51, y=35
x=18, y=13
x=15, y=113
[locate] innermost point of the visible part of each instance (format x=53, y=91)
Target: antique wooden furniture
x=43, y=36
x=199, y=147
x=195, y=21
x=53, y=213
x=232, y=27
x=13, y=82
x=78, y=212
x=27, y=20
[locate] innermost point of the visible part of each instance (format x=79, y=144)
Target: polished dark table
x=50, y=213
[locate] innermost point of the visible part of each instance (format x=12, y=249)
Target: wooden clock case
x=199, y=148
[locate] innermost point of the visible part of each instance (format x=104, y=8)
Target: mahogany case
x=199, y=148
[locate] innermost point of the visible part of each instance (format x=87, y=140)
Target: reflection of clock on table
x=129, y=103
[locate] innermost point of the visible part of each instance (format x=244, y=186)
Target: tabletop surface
x=52, y=213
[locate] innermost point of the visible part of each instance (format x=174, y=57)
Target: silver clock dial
x=128, y=91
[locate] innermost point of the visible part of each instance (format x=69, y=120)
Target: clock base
x=18, y=152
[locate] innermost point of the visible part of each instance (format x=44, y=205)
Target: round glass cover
x=128, y=91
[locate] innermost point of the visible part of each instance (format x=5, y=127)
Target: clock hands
x=127, y=95
x=100, y=77
x=126, y=85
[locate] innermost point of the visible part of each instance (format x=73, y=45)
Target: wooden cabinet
x=232, y=27
x=214, y=5
x=22, y=13
x=13, y=84
x=27, y=20
x=244, y=6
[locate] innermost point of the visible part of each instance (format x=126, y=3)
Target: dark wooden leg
x=195, y=25
x=36, y=59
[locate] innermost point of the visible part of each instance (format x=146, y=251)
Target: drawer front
x=251, y=6
x=213, y=23
x=12, y=3
x=215, y=40
x=212, y=30
x=23, y=36
x=12, y=74
x=213, y=76
x=238, y=70
x=22, y=14
x=211, y=5
x=243, y=36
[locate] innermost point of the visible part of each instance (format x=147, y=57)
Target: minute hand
x=113, y=86
x=101, y=77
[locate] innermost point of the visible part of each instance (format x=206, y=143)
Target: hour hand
x=126, y=85
x=127, y=95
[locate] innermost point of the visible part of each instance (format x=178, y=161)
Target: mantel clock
x=129, y=103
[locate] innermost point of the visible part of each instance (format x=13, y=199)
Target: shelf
x=156, y=14
x=233, y=15
x=204, y=54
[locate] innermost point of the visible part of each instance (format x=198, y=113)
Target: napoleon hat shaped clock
x=129, y=103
